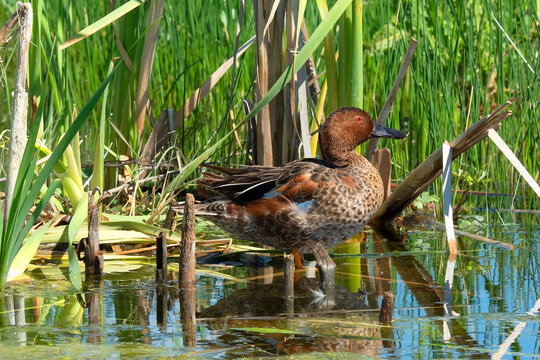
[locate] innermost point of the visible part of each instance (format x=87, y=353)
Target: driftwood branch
x=431, y=168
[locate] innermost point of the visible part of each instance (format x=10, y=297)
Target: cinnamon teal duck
x=308, y=205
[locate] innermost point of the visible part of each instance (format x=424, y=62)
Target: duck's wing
x=241, y=184
x=296, y=181
x=303, y=178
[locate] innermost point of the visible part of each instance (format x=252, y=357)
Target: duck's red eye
x=359, y=119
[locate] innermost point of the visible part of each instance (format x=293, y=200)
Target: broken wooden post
x=187, y=251
x=93, y=259
x=431, y=168
x=188, y=297
x=161, y=258
x=288, y=279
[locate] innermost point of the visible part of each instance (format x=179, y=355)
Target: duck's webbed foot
x=327, y=266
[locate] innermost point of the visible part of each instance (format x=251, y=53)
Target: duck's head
x=348, y=127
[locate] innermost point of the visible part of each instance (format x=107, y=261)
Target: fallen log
x=431, y=168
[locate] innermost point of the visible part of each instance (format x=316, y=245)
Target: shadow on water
x=396, y=296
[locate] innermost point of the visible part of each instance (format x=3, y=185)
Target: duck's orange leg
x=298, y=259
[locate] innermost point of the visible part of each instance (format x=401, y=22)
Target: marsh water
x=390, y=301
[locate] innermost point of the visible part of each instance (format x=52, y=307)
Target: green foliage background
x=464, y=67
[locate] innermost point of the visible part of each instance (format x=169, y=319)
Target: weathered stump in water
x=187, y=251
x=188, y=299
x=93, y=259
x=161, y=258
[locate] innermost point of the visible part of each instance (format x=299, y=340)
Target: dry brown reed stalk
x=17, y=143
x=147, y=59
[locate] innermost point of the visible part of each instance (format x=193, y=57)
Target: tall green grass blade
x=3, y=240
x=146, y=61
x=55, y=93
x=104, y=21
x=301, y=11
x=34, y=53
x=356, y=56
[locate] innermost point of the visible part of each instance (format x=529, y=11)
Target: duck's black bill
x=384, y=132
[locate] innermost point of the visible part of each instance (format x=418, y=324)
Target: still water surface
x=489, y=312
